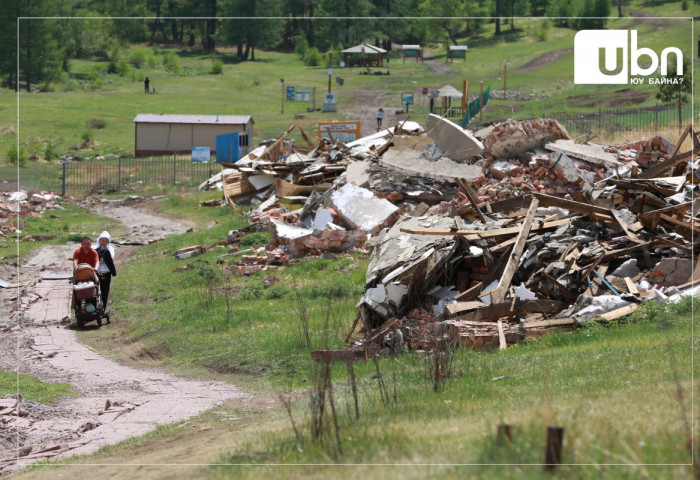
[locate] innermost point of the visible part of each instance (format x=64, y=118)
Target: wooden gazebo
x=364, y=55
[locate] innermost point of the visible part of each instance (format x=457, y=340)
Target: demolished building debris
x=483, y=240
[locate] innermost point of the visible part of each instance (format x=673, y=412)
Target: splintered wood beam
x=561, y=287
x=502, y=345
x=683, y=207
x=678, y=223
x=620, y=312
x=657, y=170
x=471, y=196
x=477, y=234
x=500, y=293
x=454, y=308
x=572, y=206
x=554, y=322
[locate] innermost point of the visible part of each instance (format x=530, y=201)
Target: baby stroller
x=87, y=301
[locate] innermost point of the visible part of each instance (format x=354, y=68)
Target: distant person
x=146, y=83
x=85, y=254
x=106, y=270
x=380, y=117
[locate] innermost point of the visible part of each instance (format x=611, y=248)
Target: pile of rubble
x=487, y=239
x=24, y=204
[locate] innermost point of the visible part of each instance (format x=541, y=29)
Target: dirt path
x=116, y=402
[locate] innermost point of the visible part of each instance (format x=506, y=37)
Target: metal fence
x=611, y=121
x=79, y=179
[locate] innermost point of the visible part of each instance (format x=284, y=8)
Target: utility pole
x=505, y=73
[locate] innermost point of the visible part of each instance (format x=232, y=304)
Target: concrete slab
x=361, y=208
x=357, y=173
x=414, y=163
x=457, y=143
x=591, y=153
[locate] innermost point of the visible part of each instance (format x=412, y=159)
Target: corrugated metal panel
x=196, y=119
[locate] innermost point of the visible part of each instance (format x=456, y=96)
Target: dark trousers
x=105, y=281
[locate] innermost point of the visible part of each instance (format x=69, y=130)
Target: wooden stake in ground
x=500, y=292
x=555, y=442
x=504, y=434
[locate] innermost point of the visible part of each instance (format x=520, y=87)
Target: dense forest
x=100, y=28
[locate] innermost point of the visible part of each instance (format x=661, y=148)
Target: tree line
x=48, y=40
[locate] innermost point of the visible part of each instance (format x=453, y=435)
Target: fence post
x=63, y=179
x=600, y=119
x=174, y=169
x=119, y=175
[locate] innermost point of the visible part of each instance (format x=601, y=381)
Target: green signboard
x=290, y=93
x=411, y=53
x=406, y=99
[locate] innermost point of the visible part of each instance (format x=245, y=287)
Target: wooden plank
x=517, y=308
x=553, y=322
x=328, y=356
x=572, y=206
x=502, y=345
x=631, y=287
x=472, y=197
x=683, y=207
x=657, y=170
x=500, y=293
x=620, y=312
x=508, y=204
x=454, y=308
x=477, y=234
x=561, y=287
x=679, y=223
x=614, y=254
x=469, y=294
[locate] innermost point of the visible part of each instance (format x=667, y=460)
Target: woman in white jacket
x=106, y=269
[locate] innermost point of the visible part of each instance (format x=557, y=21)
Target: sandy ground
x=117, y=402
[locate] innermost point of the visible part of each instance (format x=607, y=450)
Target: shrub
x=151, y=60
x=217, y=67
x=312, y=57
x=114, y=55
x=96, y=83
x=171, y=62
x=138, y=57
x=97, y=123
x=17, y=156
x=50, y=150
x=542, y=32
x=123, y=67
x=86, y=136
x=301, y=47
